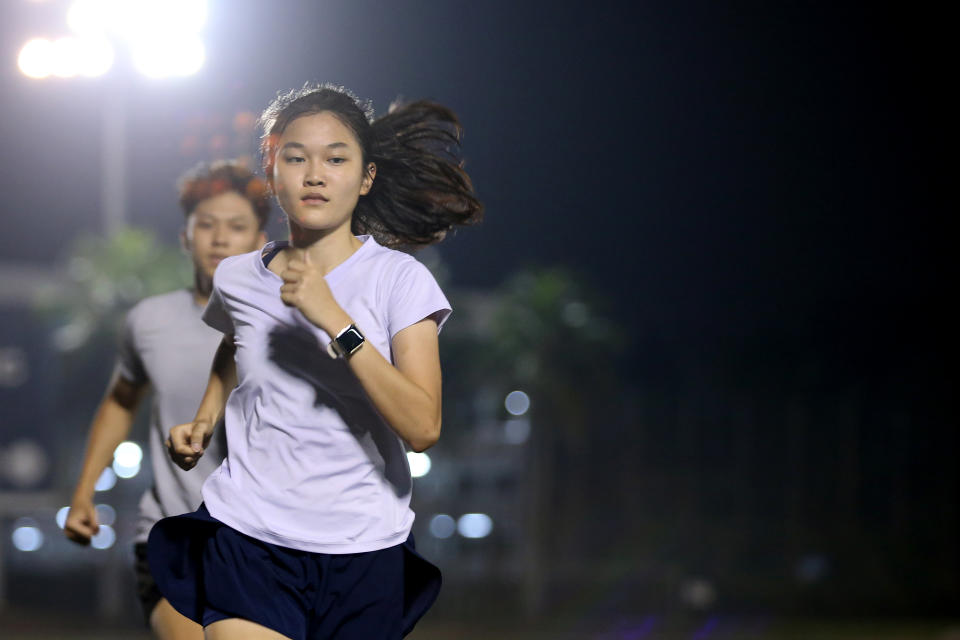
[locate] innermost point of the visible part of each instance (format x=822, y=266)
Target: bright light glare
x=517, y=403
x=134, y=20
x=169, y=56
x=419, y=464
x=96, y=57
x=124, y=471
x=104, y=538
x=126, y=459
x=442, y=526
x=475, y=525
x=27, y=535
x=128, y=454
x=163, y=35
x=106, y=481
x=62, y=514
x=91, y=17
x=27, y=538
x=66, y=58
x=36, y=58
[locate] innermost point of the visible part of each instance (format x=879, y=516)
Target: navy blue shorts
x=210, y=571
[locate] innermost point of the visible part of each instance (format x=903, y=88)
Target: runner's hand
x=187, y=442
x=81, y=524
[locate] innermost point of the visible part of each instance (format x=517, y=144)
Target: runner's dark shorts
x=209, y=572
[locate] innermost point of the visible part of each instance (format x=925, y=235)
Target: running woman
x=329, y=368
x=166, y=347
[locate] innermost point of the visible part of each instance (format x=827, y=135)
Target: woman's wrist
x=336, y=321
x=205, y=418
x=82, y=495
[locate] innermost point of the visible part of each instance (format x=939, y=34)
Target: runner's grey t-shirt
x=166, y=343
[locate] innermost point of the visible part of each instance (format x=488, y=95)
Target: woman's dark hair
x=421, y=190
x=207, y=180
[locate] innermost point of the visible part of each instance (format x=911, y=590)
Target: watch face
x=350, y=340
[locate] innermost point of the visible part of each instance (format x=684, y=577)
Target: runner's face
x=319, y=174
x=219, y=227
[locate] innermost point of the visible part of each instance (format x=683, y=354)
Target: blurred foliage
x=547, y=333
x=106, y=276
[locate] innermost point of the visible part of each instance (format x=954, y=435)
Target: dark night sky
x=717, y=169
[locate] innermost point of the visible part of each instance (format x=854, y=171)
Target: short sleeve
x=415, y=296
x=215, y=314
x=129, y=365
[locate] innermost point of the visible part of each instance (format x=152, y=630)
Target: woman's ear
x=185, y=241
x=368, y=177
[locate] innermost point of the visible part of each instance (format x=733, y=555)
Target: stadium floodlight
x=36, y=58
x=162, y=36
x=169, y=56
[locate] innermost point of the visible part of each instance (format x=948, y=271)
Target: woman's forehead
x=318, y=129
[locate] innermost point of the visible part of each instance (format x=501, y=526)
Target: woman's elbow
x=427, y=438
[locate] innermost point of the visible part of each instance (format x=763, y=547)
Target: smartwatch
x=346, y=343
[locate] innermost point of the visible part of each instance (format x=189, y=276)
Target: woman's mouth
x=314, y=199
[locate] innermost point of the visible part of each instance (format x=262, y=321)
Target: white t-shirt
x=311, y=464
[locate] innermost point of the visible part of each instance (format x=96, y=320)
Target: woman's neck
x=327, y=249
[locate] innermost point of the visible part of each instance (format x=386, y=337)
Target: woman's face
x=318, y=173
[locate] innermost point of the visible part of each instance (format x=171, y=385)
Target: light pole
x=162, y=38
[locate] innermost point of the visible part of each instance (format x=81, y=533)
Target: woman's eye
x=338, y=160
x=293, y=159
x=239, y=229
x=204, y=225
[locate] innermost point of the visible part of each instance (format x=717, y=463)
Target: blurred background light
x=475, y=525
x=106, y=481
x=72, y=336
x=14, y=367
x=62, y=514
x=104, y=538
x=133, y=20
x=517, y=403
x=66, y=57
x=91, y=17
x=27, y=535
x=125, y=471
x=96, y=57
x=24, y=463
x=66, y=54
x=516, y=430
x=442, y=526
x=36, y=58
x=575, y=314
x=811, y=568
x=106, y=515
x=163, y=38
x=164, y=56
x=128, y=454
x=419, y=464
x=697, y=593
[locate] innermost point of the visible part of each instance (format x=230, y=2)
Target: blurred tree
x=551, y=338
x=106, y=276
